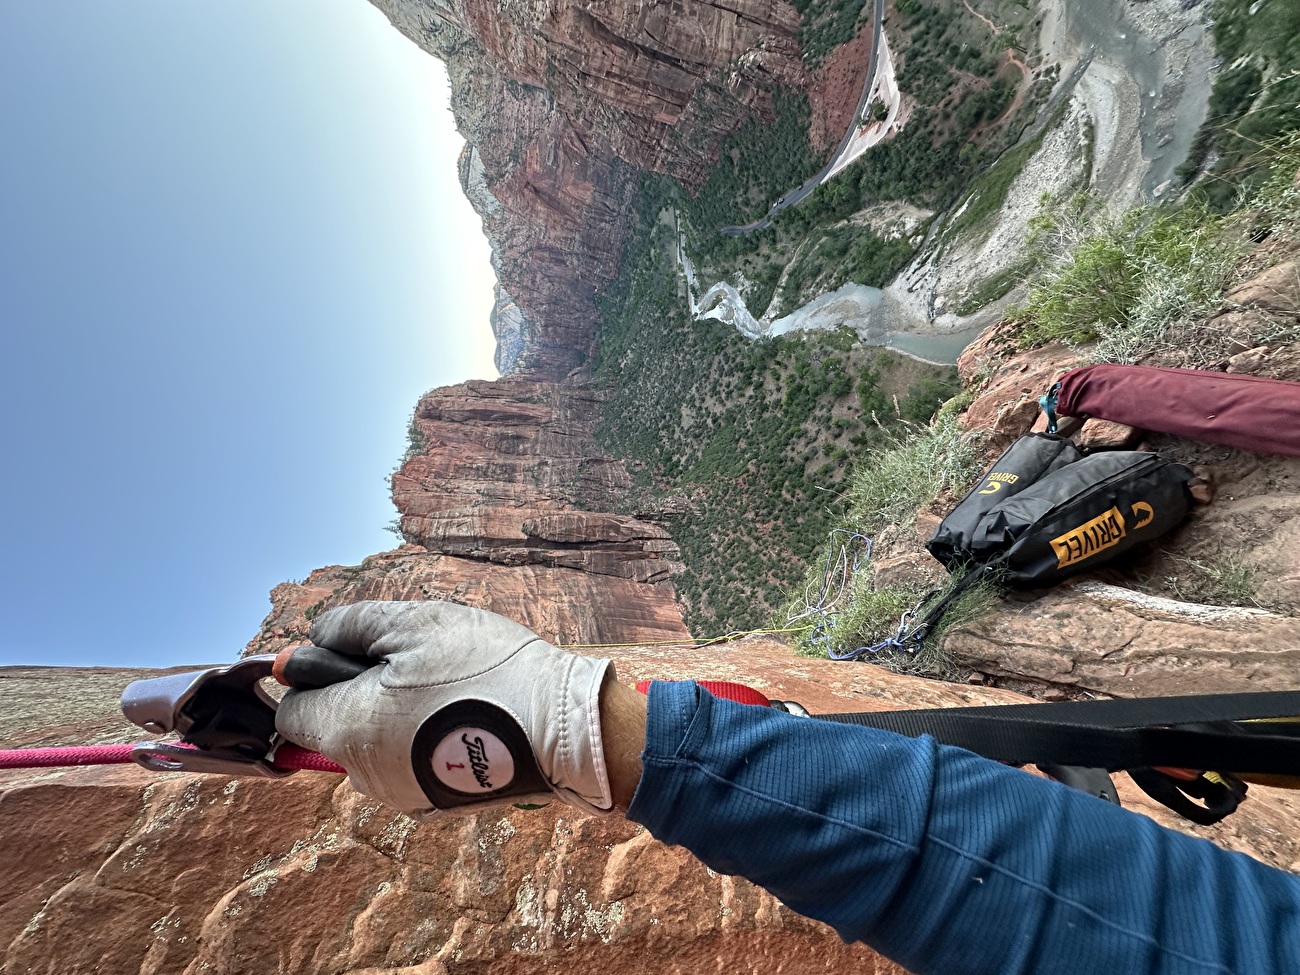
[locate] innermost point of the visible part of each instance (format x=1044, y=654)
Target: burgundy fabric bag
x=1248, y=412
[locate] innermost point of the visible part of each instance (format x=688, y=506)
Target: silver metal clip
x=225, y=720
x=164, y=757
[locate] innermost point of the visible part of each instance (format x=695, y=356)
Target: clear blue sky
x=233, y=254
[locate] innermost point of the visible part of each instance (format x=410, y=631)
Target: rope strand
x=287, y=756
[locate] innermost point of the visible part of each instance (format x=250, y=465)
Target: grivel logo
x=1144, y=513
x=997, y=479
x=1105, y=531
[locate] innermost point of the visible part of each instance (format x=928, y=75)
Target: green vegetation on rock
x=1134, y=283
x=1254, y=99
x=758, y=162
x=917, y=465
x=1125, y=279
x=826, y=24
x=742, y=447
x=989, y=190
x=952, y=67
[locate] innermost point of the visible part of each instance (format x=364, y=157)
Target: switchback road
x=801, y=192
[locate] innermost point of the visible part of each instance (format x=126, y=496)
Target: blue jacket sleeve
x=947, y=862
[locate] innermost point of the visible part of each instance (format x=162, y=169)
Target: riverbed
x=1144, y=77
x=876, y=317
x=1147, y=88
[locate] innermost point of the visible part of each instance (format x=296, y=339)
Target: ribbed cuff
x=677, y=714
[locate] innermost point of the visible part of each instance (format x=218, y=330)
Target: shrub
x=1278, y=202
x=912, y=471
x=861, y=615
x=1129, y=279
x=927, y=395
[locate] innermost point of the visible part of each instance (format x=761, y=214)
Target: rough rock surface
x=125, y=871
x=1106, y=435
x=1275, y=290
x=1007, y=386
x=565, y=606
x=1098, y=637
x=510, y=473
x=563, y=105
x=502, y=496
x=1219, y=595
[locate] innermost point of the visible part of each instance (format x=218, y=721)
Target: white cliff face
x=946, y=272
x=511, y=328
x=509, y=323
x=423, y=21
x=1147, y=88
x=473, y=181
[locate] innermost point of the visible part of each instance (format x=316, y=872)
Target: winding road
x=801, y=192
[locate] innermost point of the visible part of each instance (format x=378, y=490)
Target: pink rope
x=287, y=757
x=291, y=756
x=74, y=755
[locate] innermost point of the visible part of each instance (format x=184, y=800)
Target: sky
x=233, y=255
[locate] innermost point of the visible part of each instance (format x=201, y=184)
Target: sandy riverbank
x=1137, y=78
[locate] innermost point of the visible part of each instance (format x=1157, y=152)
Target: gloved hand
x=463, y=708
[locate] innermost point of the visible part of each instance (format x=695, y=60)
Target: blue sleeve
x=947, y=862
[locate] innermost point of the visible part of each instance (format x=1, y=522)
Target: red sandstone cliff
x=121, y=870
x=508, y=503
x=562, y=106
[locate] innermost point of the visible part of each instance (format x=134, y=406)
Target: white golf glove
x=463, y=708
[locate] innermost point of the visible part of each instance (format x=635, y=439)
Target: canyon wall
x=563, y=105
x=507, y=505
x=504, y=500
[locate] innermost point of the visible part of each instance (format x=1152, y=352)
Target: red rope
x=286, y=757
x=730, y=690
x=291, y=756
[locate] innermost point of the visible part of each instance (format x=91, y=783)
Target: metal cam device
x=224, y=718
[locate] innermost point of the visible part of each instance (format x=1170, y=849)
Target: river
x=1146, y=84
x=872, y=313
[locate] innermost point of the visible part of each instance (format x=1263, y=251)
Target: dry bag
x=1075, y=515
x=1022, y=464
x=1082, y=515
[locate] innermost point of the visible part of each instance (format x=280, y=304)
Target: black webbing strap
x=1197, y=732
x=1221, y=798
x=933, y=605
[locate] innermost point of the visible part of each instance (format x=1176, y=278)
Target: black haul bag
x=1021, y=465
x=1082, y=515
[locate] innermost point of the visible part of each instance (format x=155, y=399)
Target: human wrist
x=623, y=723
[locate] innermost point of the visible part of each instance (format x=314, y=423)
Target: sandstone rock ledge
x=124, y=871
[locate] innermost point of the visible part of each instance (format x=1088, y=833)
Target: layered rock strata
x=562, y=106
x=506, y=503
x=509, y=473
x=567, y=607
x=127, y=871
x=1099, y=637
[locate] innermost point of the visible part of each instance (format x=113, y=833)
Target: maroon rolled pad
x=1247, y=412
